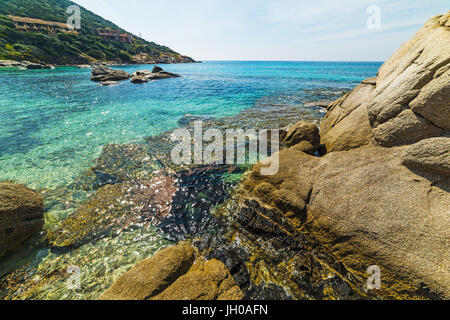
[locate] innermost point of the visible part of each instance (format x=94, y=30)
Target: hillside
x=64, y=48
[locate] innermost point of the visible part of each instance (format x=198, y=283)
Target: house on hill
x=42, y=26
x=114, y=35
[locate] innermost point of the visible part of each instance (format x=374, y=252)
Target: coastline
x=357, y=209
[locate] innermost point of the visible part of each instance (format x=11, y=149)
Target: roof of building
x=39, y=21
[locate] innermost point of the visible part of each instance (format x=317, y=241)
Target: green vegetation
x=66, y=48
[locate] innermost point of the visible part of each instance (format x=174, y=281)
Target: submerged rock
x=174, y=274
x=109, y=83
x=139, y=79
x=346, y=124
x=190, y=118
x=21, y=215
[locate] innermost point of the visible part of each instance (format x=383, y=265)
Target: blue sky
x=298, y=30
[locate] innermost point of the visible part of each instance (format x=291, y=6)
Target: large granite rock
x=413, y=87
x=101, y=73
x=302, y=131
x=346, y=124
x=21, y=215
x=407, y=101
x=367, y=208
x=429, y=155
x=174, y=274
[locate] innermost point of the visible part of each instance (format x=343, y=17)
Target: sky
x=292, y=30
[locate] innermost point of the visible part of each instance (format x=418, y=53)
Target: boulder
x=303, y=131
x=318, y=104
x=305, y=147
x=346, y=124
x=102, y=73
x=83, y=66
x=209, y=280
x=35, y=66
x=410, y=101
x=21, y=215
x=139, y=79
x=156, y=74
x=429, y=155
x=157, y=69
x=162, y=75
x=152, y=276
x=171, y=274
x=367, y=208
x=406, y=102
x=141, y=73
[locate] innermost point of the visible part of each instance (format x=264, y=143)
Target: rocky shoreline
x=36, y=65
x=370, y=187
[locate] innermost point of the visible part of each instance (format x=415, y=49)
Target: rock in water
x=413, y=88
x=21, y=215
x=109, y=83
x=158, y=73
x=102, y=73
x=174, y=274
x=35, y=66
x=139, y=79
x=157, y=69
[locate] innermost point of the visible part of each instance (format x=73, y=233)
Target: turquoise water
x=55, y=122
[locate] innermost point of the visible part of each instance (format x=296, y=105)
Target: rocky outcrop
x=102, y=73
x=38, y=66
x=175, y=274
x=302, y=131
x=346, y=124
x=21, y=215
x=405, y=103
x=368, y=209
x=139, y=79
x=157, y=73
x=364, y=203
x=10, y=63
x=429, y=155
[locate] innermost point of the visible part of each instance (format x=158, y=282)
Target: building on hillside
x=42, y=26
x=114, y=35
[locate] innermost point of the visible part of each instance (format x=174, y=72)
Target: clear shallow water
x=55, y=122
